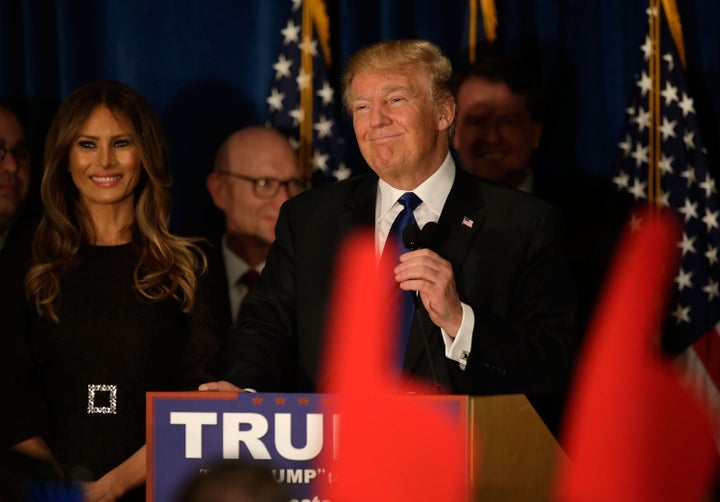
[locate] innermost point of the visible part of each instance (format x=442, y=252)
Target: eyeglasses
x=21, y=153
x=268, y=188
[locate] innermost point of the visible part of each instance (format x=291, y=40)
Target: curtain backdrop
x=206, y=67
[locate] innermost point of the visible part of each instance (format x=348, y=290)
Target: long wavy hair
x=168, y=265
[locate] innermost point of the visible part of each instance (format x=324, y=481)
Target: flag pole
x=489, y=15
x=655, y=147
x=675, y=25
x=306, y=89
x=472, y=31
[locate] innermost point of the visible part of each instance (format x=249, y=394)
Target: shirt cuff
x=458, y=348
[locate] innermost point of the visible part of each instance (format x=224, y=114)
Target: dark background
x=206, y=67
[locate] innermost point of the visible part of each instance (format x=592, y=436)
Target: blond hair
x=392, y=55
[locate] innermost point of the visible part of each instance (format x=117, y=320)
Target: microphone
x=413, y=238
x=429, y=234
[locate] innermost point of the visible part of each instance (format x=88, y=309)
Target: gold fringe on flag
x=314, y=17
x=489, y=15
x=673, y=19
x=322, y=25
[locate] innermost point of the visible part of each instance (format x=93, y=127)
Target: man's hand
x=221, y=386
x=425, y=271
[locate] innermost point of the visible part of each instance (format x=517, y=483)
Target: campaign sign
x=190, y=432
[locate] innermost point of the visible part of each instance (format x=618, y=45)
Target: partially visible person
x=14, y=171
x=17, y=223
x=255, y=171
x=119, y=305
x=497, y=132
x=497, y=299
x=499, y=120
x=234, y=481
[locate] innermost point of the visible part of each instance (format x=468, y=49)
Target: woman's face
x=105, y=162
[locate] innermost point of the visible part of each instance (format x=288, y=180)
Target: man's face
x=14, y=169
x=495, y=135
x=398, y=126
x=249, y=217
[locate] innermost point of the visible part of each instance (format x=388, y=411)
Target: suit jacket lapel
x=359, y=210
x=461, y=220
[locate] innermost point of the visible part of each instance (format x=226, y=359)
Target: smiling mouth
x=385, y=137
x=106, y=179
x=491, y=155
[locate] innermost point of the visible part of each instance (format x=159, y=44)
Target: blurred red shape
x=391, y=446
x=632, y=431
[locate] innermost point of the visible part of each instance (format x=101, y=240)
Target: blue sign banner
x=190, y=432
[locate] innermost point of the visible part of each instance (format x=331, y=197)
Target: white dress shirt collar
x=235, y=268
x=528, y=184
x=433, y=192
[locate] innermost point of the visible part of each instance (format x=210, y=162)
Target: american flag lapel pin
x=467, y=222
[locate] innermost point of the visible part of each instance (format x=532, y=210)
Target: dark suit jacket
x=15, y=258
x=508, y=266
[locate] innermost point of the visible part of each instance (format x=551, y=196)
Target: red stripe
x=708, y=350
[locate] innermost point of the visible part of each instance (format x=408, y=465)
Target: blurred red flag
x=391, y=447
x=632, y=432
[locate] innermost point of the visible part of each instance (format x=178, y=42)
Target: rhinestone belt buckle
x=105, y=410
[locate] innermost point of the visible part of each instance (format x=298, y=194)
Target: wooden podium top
x=515, y=455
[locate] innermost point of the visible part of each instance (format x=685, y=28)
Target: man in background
x=255, y=171
x=499, y=122
x=500, y=112
x=17, y=225
x=14, y=174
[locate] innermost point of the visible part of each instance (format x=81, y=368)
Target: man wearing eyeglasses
x=14, y=171
x=17, y=224
x=255, y=171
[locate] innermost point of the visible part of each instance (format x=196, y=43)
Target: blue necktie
x=394, y=247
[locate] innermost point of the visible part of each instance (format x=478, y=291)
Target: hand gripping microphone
x=414, y=238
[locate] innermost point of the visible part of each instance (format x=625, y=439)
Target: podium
x=516, y=456
x=511, y=455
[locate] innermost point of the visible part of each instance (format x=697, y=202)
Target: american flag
x=686, y=185
x=321, y=148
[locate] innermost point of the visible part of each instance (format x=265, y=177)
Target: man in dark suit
x=497, y=299
x=16, y=222
x=498, y=129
